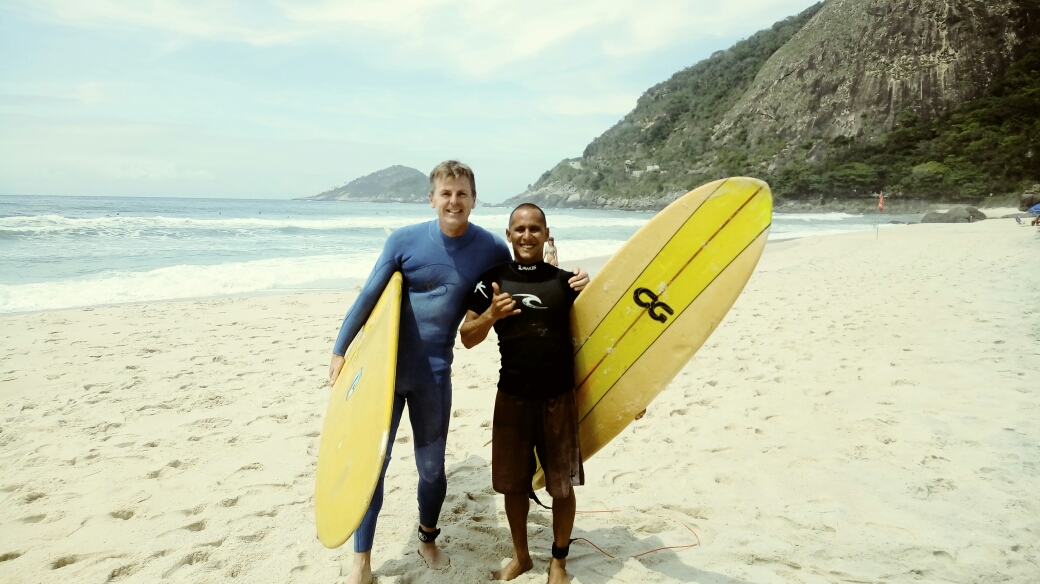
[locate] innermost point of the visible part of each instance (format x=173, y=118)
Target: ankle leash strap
x=560, y=553
x=428, y=537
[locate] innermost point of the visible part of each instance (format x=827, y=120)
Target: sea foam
x=186, y=281
x=124, y=226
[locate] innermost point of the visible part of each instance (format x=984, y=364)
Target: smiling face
x=453, y=199
x=527, y=234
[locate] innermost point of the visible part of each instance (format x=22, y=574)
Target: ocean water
x=62, y=252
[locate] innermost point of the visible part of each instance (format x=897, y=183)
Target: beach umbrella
x=1034, y=210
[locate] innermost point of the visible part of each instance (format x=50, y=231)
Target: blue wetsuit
x=439, y=273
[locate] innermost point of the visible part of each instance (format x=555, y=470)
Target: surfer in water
x=528, y=302
x=441, y=261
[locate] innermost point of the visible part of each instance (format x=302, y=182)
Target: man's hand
x=579, y=280
x=335, y=367
x=502, y=305
x=476, y=326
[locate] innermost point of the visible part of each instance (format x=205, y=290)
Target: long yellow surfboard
x=357, y=423
x=659, y=298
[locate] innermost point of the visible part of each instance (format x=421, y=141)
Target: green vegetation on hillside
x=703, y=123
x=672, y=122
x=987, y=145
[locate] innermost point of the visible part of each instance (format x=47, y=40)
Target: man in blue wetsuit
x=441, y=261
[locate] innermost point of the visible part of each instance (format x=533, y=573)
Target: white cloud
x=93, y=93
x=277, y=98
x=136, y=168
x=584, y=105
x=478, y=37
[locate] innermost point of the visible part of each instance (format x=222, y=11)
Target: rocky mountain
x=925, y=99
x=397, y=184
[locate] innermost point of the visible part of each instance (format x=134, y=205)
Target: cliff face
x=857, y=65
x=847, y=98
x=396, y=184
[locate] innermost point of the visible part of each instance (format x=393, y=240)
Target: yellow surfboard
x=357, y=423
x=656, y=301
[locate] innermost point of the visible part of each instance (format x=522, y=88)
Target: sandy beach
x=868, y=411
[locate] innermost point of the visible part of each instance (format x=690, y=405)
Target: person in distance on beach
x=528, y=303
x=550, y=253
x=441, y=261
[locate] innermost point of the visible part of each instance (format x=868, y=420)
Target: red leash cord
x=669, y=547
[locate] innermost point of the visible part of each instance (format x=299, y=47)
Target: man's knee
x=429, y=461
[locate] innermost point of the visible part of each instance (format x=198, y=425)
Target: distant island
x=397, y=184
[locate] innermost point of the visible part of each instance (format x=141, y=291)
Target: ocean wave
x=781, y=235
x=195, y=281
x=571, y=252
x=560, y=219
x=185, y=281
x=133, y=226
x=123, y=226
x=835, y=216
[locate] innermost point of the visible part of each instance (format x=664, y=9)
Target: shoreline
x=236, y=296
x=592, y=264
x=595, y=261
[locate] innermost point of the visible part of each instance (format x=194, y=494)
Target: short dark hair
x=545, y=223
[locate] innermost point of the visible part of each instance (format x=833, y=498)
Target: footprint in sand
x=33, y=496
x=254, y=537
x=196, y=557
x=197, y=526
x=123, y=514
x=935, y=488
x=123, y=572
x=63, y=561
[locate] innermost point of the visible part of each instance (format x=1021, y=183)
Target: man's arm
x=476, y=326
x=359, y=312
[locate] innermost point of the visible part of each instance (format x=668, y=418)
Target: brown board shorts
x=548, y=426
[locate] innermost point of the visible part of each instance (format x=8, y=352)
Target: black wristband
x=428, y=536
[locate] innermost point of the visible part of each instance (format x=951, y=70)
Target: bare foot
x=435, y=558
x=361, y=570
x=558, y=572
x=513, y=569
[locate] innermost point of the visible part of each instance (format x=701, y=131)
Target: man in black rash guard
x=528, y=302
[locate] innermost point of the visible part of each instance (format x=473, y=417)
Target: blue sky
x=286, y=99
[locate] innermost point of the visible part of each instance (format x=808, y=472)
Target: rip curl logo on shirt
x=482, y=289
x=530, y=300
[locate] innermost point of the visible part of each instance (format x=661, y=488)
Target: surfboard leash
x=667, y=547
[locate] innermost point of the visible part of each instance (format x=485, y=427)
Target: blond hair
x=454, y=169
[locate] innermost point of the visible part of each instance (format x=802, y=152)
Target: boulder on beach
x=963, y=214
x=1029, y=198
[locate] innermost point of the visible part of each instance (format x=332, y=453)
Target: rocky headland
x=396, y=184
x=929, y=101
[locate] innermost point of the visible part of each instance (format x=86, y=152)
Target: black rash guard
x=537, y=355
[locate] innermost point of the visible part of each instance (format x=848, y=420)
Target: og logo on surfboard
x=647, y=299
